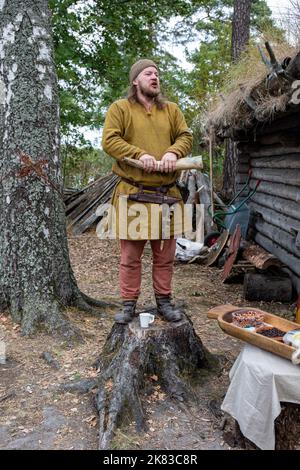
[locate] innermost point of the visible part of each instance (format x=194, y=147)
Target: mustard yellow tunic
x=132, y=131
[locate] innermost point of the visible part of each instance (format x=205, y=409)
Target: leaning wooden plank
x=203, y=185
x=82, y=204
x=92, y=205
x=79, y=202
x=88, y=216
x=219, y=201
x=192, y=187
x=69, y=193
x=95, y=193
x=84, y=193
x=91, y=209
x=82, y=226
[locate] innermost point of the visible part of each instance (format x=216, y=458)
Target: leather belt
x=161, y=189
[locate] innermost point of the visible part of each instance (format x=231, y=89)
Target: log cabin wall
x=272, y=154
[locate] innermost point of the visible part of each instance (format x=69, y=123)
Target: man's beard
x=149, y=92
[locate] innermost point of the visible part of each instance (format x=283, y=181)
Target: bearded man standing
x=150, y=129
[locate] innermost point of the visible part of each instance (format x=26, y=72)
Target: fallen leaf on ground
x=92, y=420
x=109, y=385
x=154, y=377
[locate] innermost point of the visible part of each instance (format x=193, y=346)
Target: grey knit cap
x=139, y=66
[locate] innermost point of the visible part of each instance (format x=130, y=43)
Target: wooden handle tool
x=188, y=163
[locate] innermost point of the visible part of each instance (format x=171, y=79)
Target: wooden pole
x=211, y=173
x=298, y=310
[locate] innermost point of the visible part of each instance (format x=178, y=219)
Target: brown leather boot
x=128, y=312
x=168, y=310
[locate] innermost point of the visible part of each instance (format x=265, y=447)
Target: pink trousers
x=131, y=267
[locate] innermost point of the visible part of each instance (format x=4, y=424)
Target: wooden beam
x=283, y=206
x=271, y=216
x=291, y=162
x=258, y=150
x=279, y=236
x=260, y=258
x=204, y=198
x=243, y=167
x=286, y=176
x=93, y=197
x=277, y=189
x=291, y=261
x=288, y=119
x=219, y=201
x=243, y=158
x=239, y=187
x=241, y=178
x=191, y=185
x=287, y=137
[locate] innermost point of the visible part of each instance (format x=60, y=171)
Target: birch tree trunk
x=36, y=279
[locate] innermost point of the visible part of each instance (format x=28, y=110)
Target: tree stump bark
x=36, y=278
x=268, y=287
x=171, y=351
x=287, y=431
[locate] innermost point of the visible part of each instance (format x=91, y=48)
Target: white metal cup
x=146, y=319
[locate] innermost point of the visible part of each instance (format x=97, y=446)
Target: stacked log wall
x=273, y=158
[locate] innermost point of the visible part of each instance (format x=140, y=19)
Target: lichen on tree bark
x=36, y=279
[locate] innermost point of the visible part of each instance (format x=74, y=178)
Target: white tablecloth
x=259, y=382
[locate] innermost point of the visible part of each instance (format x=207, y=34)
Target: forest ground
x=35, y=415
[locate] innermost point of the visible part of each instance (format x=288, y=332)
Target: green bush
x=83, y=165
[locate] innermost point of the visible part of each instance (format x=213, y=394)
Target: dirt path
x=34, y=415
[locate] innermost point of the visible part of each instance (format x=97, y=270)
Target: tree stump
x=287, y=430
x=171, y=351
x=268, y=287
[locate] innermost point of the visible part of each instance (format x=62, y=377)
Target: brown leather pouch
x=154, y=198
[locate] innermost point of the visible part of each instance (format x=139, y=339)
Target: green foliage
x=82, y=165
x=96, y=42
x=213, y=57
